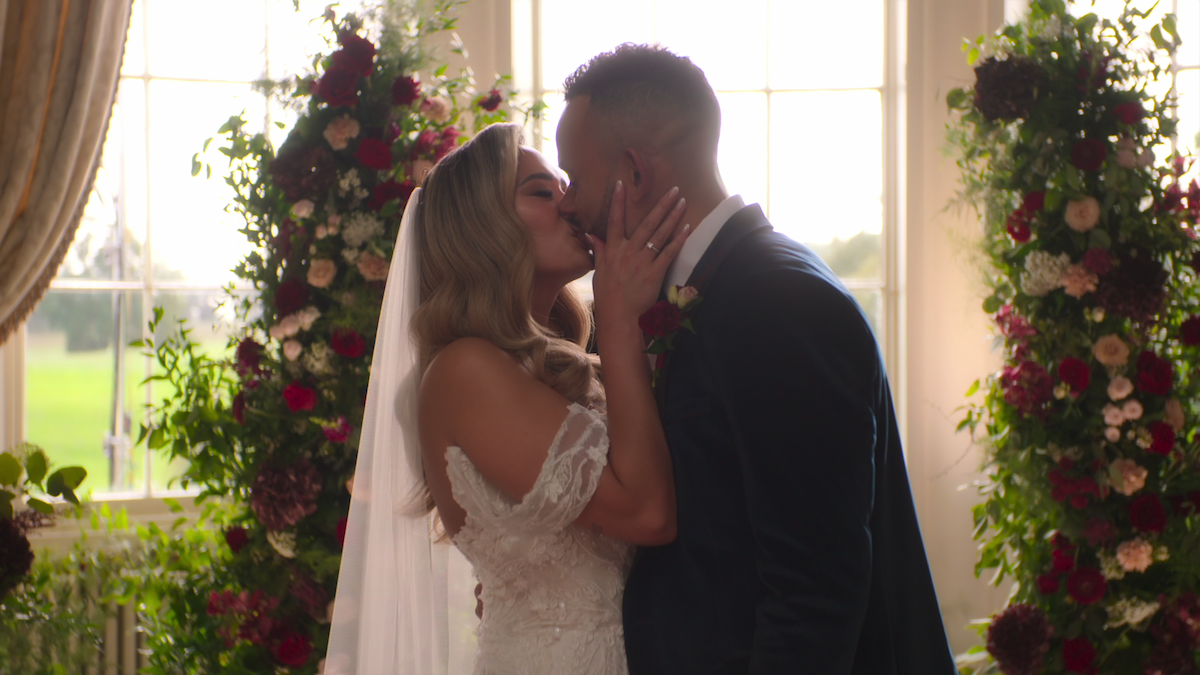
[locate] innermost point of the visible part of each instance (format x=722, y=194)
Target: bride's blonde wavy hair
x=477, y=270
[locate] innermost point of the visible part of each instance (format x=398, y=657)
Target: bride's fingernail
x=619, y=187
x=680, y=204
x=687, y=228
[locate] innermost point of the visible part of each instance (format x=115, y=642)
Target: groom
x=798, y=548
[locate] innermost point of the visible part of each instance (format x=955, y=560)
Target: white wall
x=948, y=343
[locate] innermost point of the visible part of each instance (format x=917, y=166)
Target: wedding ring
x=650, y=245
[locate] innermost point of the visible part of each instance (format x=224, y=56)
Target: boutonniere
x=662, y=323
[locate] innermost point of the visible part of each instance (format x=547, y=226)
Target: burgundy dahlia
x=1088, y=154
x=236, y=538
x=1155, y=375
x=301, y=171
x=1086, y=585
x=356, y=55
x=283, y=495
x=290, y=296
x=16, y=556
x=312, y=597
x=1147, y=514
x=1133, y=289
x=1078, y=654
x=405, y=90
x=1018, y=638
x=1006, y=90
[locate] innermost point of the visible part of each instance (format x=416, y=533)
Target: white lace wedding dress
x=551, y=590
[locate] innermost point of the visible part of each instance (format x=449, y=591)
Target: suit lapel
x=748, y=219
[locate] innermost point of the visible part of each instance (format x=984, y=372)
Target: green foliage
x=30, y=461
x=321, y=214
x=1063, y=447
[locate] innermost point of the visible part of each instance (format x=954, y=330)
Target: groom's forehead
x=573, y=130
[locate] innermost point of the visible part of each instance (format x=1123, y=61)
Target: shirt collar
x=701, y=238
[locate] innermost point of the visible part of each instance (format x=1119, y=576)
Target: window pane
x=554, y=110
x=871, y=301
x=102, y=249
x=826, y=165
x=193, y=237
x=71, y=383
x=134, y=61
x=1188, y=24
x=1187, y=87
x=716, y=35
x=209, y=318
x=128, y=167
x=818, y=45
x=216, y=39
x=573, y=32
x=742, y=153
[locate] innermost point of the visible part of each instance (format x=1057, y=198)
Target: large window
x=151, y=234
x=807, y=109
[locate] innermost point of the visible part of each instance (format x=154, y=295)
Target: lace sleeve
x=567, y=481
x=570, y=475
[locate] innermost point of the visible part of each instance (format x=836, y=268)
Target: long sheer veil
x=400, y=607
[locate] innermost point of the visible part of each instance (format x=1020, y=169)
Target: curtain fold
x=59, y=66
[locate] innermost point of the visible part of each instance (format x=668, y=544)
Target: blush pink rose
x=1110, y=350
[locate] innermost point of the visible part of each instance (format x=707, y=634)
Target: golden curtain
x=59, y=65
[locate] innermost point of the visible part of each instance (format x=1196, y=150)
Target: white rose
x=1113, y=416
x=284, y=543
x=292, y=349
x=1119, y=387
x=303, y=208
x=322, y=232
x=1132, y=410
x=1082, y=214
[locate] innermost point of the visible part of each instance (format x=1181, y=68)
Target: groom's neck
x=703, y=194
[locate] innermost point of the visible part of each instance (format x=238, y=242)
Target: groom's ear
x=638, y=173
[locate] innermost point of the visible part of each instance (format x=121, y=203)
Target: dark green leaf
x=40, y=506
x=10, y=469
x=992, y=305
x=35, y=466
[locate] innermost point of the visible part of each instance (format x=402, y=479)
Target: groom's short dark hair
x=638, y=87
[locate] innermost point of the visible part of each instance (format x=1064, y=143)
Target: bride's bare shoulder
x=466, y=364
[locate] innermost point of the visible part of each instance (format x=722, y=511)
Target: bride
x=484, y=406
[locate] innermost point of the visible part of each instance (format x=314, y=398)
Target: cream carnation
x=1043, y=272
x=303, y=208
x=292, y=349
x=372, y=267
x=1133, y=476
x=284, y=543
x=1135, y=555
x=1110, y=350
x=307, y=316
x=436, y=109
x=1132, y=409
x=1173, y=414
x=1130, y=611
x=339, y=131
x=1120, y=387
x=321, y=272
x=1078, y=281
x=1113, y=416
x=1082, y=214
x=1126, y=153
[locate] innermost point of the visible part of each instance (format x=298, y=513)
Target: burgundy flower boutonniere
x=662, y=323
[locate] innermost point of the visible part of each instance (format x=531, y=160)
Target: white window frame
x=889, y=284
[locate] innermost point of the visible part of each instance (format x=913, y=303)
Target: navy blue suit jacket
x=798, y=549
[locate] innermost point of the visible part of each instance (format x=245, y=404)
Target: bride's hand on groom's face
x=630, y=270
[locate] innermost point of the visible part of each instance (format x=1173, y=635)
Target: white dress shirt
x=702, y=237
